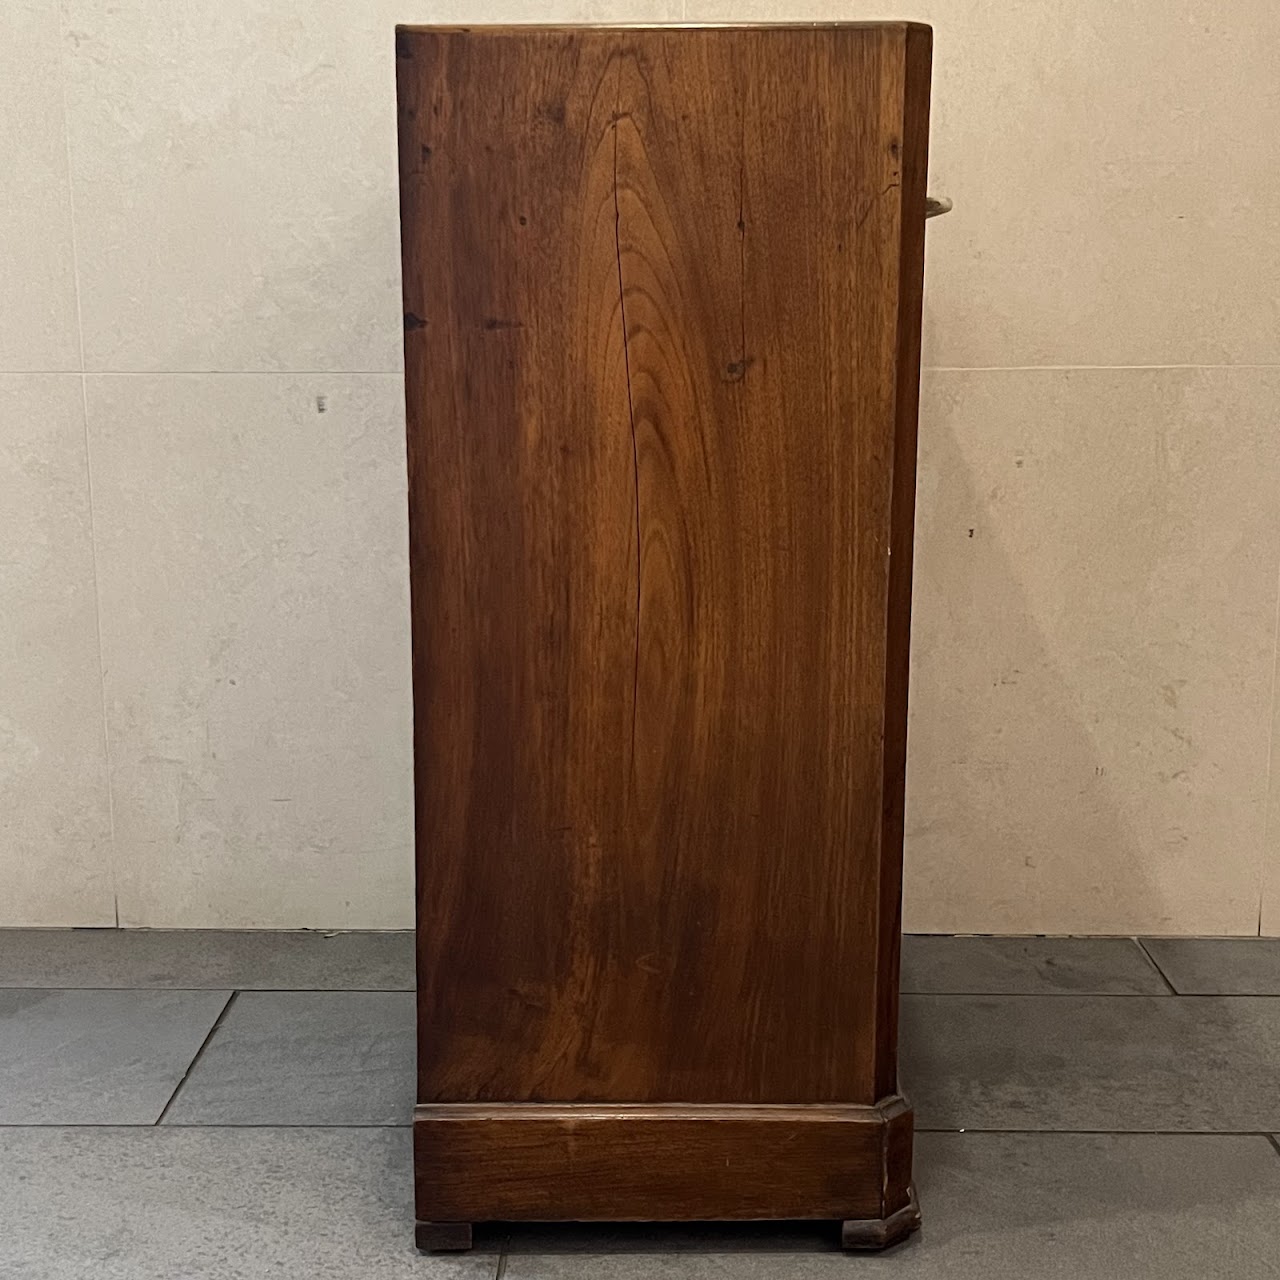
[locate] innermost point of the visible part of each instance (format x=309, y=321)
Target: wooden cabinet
x=662, y=312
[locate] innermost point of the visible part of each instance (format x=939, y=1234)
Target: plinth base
x=527, y=1162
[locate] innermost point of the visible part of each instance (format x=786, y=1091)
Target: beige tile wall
x=203, y=623
x=55, y=823
x=252, y=562
x=1095, y=614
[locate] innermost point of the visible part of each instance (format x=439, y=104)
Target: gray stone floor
x=221, y=1105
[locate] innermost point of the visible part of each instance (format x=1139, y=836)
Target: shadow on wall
x=1094, y=650
x=1011, y=823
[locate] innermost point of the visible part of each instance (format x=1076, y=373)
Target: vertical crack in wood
x=631, y=409
x=742, y=249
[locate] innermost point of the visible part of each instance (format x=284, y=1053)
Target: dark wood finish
x=442, y=1237
x=882, y=1233
x=662, y=304
x=896, y=1186
x=654, y=1162
x=910, y=285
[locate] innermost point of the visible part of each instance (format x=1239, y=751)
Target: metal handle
x=936, y=205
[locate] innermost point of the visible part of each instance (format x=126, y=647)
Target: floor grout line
x=1105, y=1133
x=191, y=1066
x=223, y=986
x=407, y=1126
x=1155, y=964
x=401, y=1126
x=1043, y=995
x=396, y=991
x=1100, y=995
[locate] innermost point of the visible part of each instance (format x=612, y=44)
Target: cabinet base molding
x=585, y=1162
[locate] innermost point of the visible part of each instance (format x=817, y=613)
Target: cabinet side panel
x=651, y=575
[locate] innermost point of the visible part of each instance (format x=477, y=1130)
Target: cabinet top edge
x=513, y=28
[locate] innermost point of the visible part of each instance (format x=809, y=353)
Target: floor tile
x=1219, y=966
x=1191, y=1063
x=199, y=958
x=98, y=1057
x=1037, y=966
x=213, y=1204
x=996, y=1207
x=308, y=1058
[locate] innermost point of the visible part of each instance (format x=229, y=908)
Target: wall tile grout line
x=1068, y=368
x=191, y=1066
x=245, y=373
x=1155, y=964
x=405, y=1125
x=398, y=373
x=1271, y=751
x=88, y=470
x=202, y=373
